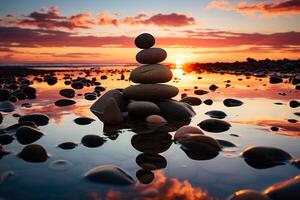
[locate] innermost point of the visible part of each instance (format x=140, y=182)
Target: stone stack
x=149, y=96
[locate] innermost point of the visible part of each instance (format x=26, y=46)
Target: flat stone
x=214, y=125
x=200, y=92
x=232, y=102
x=289, y=189
x=261, y=157
x=144, y=41
x=67, y=145
x=142, y=109
x=64, y=102
x=193, y=101
x=83, y=120
x=150, y=92
x=151, y=56
x=216, y=114
x=28, y=135
x=109, y=174
x=155, y=73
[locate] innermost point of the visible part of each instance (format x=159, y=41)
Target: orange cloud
x=274, y=8
x=49, y=18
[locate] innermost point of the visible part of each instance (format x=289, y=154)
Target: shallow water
x=183, y=177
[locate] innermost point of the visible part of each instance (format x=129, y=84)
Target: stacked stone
x=150, y=98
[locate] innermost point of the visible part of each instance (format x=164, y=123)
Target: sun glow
x=178, y=62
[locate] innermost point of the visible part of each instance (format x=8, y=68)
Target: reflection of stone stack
x=149, y=96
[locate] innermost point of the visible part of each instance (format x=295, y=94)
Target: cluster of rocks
x=149, y=99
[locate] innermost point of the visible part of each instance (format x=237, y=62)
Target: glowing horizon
x=95, y=32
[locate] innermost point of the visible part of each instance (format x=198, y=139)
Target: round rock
x=289, y=189
x=151, y=56
x=92, y=141
x=187, y=130
x=109, y=174
x=261, y=157
x=144, y=41
x=216, y=114
x=69, y=93
x=67, y=145
x=155, y=73
x=156, y=119
x=27, y=134
x=33, y=153
x=142, y=109
x=38, y=118
x=232, y=102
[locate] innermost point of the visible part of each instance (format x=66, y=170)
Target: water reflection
x=161, y=187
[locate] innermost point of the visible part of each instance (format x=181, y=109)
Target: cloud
x=204, y=39
x=50, y=18
x=164, y=20
x=280, y=7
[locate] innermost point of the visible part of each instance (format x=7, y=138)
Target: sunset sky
x=95, y=31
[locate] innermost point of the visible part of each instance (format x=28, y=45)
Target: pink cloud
x=267, y=8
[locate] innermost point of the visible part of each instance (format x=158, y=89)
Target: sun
x=178, y=62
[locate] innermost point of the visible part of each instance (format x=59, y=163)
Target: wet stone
x=27, y=134
x=232, y=102
x=193, y=101
x=144, y=41
x=38, y=118
x=69, y=93
x=109, y=174
x=6, y=139
x=289, y=189
x=145, y=176
x=216, y=114
x=64, y=102
x=200, y=92
x=214, y=125
x=7, y=106
x=33, y=153
x=208, y=102
x=67, y=145
x=264, y=157
x=83, y=120
x=92, y=141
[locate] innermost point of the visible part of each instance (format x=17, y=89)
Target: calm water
x=183, y=177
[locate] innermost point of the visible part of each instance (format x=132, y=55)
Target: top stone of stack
x=149, y=55
x=144, y=41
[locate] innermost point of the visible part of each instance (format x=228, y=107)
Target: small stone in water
x=92, y=141
x=67, y=145
x=33, y=153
